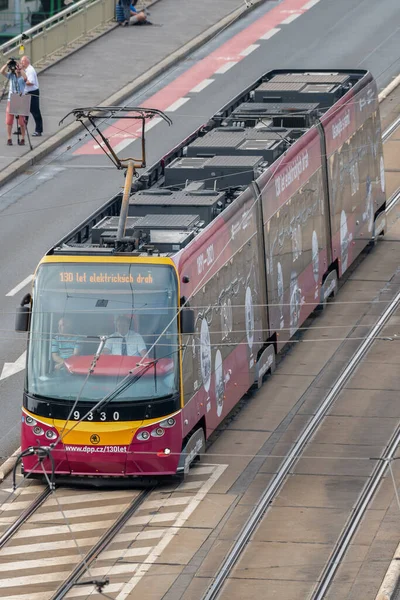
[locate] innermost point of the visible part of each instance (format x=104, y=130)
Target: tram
x=139, y=347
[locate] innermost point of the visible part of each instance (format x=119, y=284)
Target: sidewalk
x=119, y=63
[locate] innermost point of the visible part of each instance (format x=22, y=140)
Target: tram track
x=391, y=129
x=77, y=541
x=50, y=512
x=75, y=578
x=84, y=566
x=24, y=516
x=356, y=517
x=292, y=458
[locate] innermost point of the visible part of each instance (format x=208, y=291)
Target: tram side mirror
x=187, y=320
x=23, y=314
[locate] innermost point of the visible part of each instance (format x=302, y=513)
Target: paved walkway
x=109, y=64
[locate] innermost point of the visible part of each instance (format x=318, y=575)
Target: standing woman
x=32, y=88
x=17, y=78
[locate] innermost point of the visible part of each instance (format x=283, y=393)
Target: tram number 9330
x=77, y=415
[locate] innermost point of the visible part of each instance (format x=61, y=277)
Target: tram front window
x=126, y=312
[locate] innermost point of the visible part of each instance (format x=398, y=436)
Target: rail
x=291, y=459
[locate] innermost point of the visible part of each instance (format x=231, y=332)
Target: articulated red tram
x=138, y=349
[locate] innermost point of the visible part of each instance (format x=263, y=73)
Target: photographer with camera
x=17, y=77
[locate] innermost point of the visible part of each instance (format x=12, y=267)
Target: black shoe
x=21, y=142
x=147, y=22
x=9, y=143
x=36, y=134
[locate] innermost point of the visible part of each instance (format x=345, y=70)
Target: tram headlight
x=168, y=423
x=29, y=421
x=51, y=435
x=159, y=432
x=38, y=430
x=143, y=436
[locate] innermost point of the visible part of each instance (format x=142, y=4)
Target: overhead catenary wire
x=335, y=457
x=140, y=94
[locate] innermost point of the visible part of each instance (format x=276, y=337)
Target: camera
x=12, y=64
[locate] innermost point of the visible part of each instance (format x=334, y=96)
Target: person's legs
x=35, y=111
x=9, y=124
x=138, y=17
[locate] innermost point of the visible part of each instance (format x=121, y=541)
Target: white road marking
x=147, y=519
x=74, y=593
x=79, y=592
x=151, y=124
x=124, y=144
x=52, y=577
x=143, y=556
x=225, y=67
x=32, y=579
x=13, y=368
x=270, y=33
x=79, y=512
x=310, y=4
x=163, y=543
x=177, y=104
x=201, y=86
x=190, y=485
x=20, y=286
x=290, y=19
x=78, y=498
x=30, y=490
x=249, y=49
x=47, y=546
x=166, y=502
x=131, y=552
x=39, y=531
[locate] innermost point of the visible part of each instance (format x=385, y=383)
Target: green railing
x=53, y=36
x=56, y=33
x=13, y=23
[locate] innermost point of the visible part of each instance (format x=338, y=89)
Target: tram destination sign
x=108, y=277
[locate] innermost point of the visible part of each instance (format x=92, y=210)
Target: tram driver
x=124, y=341
x=63, y=345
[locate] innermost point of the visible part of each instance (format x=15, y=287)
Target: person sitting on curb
x=127, y=14
x=138, y=18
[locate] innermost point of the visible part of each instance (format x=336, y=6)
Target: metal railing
x=58, y=32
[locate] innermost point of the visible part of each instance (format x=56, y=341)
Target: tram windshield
x=125, y=312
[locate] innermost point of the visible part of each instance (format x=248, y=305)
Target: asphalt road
x=38, y=208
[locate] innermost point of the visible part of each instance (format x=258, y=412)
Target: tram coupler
x=42, y=452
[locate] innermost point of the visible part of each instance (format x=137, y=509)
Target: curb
x=389, y=89
x=69, y=131
x=391, y=578
x=8, y=465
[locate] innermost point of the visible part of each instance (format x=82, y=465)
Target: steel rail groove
x=355, y=518
x=388, y=132
x=93, y=553
x=292, y=457
x=393, y=201
x=24, y=516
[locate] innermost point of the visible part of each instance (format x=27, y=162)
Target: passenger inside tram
x=63, y=344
